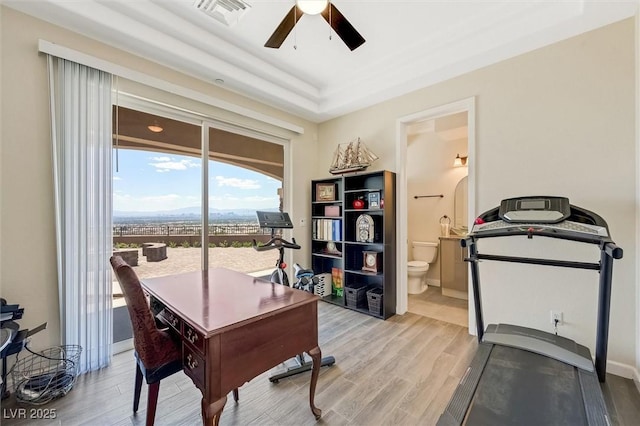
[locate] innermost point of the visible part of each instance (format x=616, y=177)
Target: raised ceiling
x=409, y=44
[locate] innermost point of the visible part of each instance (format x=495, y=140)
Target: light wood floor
x=396, y=372
x=433, y=304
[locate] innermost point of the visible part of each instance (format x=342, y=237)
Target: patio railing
x=185, y=229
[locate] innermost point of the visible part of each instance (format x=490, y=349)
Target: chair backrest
x=154, y=347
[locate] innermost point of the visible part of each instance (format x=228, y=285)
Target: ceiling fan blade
x=342, y=27
x=280, y=34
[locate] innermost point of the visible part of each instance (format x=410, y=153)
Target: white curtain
x=81, y=136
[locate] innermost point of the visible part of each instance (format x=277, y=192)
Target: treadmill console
x=535, y=209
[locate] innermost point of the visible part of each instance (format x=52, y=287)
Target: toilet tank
x=424, y=250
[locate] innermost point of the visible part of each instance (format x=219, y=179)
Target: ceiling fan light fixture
x=155, y=127
x=312, y=7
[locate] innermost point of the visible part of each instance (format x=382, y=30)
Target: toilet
x=423, y=253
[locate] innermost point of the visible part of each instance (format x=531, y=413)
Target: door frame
x=467, y=105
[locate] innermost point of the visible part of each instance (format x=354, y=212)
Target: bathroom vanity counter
x=454, y=275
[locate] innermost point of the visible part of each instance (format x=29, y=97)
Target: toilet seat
x=418, y=266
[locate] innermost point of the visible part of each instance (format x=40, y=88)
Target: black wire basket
x=46, y=375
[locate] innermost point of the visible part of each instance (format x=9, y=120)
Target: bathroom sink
x=460, y=232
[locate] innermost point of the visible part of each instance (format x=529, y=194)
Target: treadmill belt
x=519, y=387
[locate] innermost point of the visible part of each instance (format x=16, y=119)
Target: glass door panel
x=245, y=175
x=157, y=199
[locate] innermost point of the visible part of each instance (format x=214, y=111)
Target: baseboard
x=122, y=346
x=624, y=370
x=455, y=293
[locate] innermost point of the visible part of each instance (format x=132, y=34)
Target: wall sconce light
x=155, y=127
x=460, y=161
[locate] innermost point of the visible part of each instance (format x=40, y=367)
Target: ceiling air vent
x=228, y=12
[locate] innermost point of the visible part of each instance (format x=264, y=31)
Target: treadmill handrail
x=530, y=232
x=536, y=261
x=609, y=249
x=613, y=250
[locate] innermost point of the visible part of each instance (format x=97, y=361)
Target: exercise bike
x=305, y=280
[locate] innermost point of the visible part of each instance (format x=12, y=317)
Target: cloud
x=117, y=178
x=166, y=164
x=237, y=183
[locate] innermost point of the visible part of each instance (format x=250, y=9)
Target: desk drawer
x=193, y=365
x=193, y=338
x=155, y=305
x=171, y=319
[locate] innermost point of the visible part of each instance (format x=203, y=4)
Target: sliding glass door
x=163, y=184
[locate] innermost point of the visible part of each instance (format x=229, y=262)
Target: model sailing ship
x=351, y=157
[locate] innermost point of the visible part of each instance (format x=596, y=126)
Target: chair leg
x=154, y=389
x=137, y=389
x=236, y=397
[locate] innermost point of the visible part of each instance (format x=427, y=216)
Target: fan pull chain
x=295, y=31
x=330, y=21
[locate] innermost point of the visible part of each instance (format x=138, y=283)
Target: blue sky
x=148, y=181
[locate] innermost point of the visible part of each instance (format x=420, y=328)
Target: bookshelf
x=353, y=240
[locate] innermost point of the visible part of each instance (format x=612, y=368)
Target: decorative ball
x=358, y=204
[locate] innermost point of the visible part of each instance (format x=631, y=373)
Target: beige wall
x=558, y=120
x=28, y=272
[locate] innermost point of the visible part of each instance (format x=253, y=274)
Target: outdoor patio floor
x=180, y=259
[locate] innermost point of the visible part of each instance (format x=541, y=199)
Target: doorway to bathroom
x=436, y=188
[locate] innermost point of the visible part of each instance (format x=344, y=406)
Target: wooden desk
x=234, y=327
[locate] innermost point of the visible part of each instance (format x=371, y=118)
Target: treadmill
x=524, y=376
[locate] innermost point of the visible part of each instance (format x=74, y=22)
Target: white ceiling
x=409, y=44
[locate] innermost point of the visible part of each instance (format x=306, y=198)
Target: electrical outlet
x=556, y=316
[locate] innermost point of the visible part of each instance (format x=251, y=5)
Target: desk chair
x=157, y=354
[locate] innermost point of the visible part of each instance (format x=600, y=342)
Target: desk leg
x=316, y=356
x=211, y=412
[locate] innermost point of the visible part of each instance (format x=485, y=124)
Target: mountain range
x=188, y=212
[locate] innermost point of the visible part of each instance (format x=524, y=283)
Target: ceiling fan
x=330, y=13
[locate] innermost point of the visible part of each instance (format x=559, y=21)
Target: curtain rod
x=50, y=48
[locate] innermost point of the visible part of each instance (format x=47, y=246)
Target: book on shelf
x=327, y=229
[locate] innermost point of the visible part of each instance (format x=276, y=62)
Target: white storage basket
x=323, y=287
